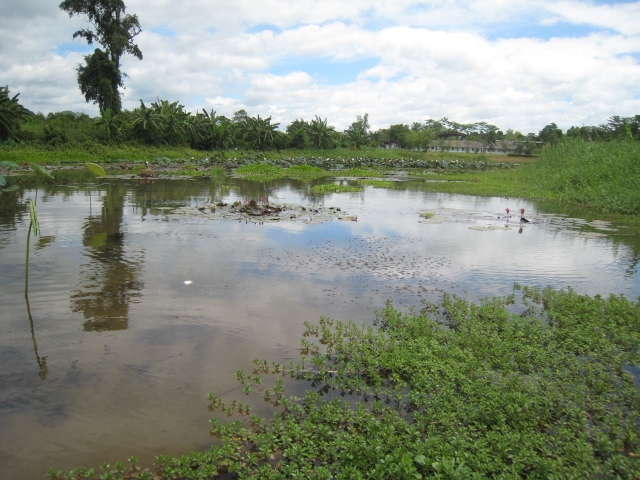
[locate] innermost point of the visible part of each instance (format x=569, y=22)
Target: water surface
x=114, y=354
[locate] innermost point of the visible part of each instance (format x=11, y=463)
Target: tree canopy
x=100, y=77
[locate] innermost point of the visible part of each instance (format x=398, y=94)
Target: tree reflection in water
x=110, y=279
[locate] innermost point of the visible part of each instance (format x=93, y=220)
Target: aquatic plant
x=34, y=226
x=378, y=183
x=333, y=188
x=457, y=390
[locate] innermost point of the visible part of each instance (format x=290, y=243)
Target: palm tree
x=11, y=114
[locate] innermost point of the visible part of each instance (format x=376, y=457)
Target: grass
x=602, y=175
x=459, y=390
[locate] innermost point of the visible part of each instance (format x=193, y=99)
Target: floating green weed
x=305, y=172
x=259, y=171
x=332, y=188
x=427, y=215
x=378, y=183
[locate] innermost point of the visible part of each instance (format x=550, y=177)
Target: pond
x=146, y=295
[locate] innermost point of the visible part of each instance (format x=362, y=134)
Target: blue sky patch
x=325, y=70
x=542, y=32
x=163, y=30
x=264, y=27
x=67, y=48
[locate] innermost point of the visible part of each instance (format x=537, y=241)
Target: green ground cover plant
x=540, y=384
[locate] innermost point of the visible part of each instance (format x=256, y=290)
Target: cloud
x=516, y=64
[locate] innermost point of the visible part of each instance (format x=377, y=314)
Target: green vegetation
x=378, y=183
x=334, y=188
x=602, y=175
x=11, y=115
x=459, y=390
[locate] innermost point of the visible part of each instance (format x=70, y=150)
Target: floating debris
x=260, y=212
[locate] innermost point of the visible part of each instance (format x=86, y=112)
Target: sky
x=516, y=64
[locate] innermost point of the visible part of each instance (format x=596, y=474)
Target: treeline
x=168, y=123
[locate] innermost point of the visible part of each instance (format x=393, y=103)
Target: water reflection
x=43, y=370
x=111, y=279
x=252, y=288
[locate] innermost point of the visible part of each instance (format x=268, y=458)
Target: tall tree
x=100, y=78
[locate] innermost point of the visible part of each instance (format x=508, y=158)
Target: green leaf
x=96, y=169
x=9, y=165
x=3, y=181
x=40, y=170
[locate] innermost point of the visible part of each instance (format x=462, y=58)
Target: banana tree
x=109, y=122
x=147, y=123
x=259, y=132
x=322, y=135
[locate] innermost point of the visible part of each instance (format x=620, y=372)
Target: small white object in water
x=188, y=282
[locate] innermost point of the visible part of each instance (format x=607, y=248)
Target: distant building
x=471, y=146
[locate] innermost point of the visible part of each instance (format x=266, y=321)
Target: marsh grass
x=598, y=174
x=602, y=175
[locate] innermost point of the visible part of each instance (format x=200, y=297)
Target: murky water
x=114, y=354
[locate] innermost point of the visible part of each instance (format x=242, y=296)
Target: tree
x=298, y=132
x=100, y=78
x=358, y=132
x=321, y=134
x=216, y=131
x=11, y=114
x=550, y=134
x=259, y=132
x=109, y=123
x=146, y=123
